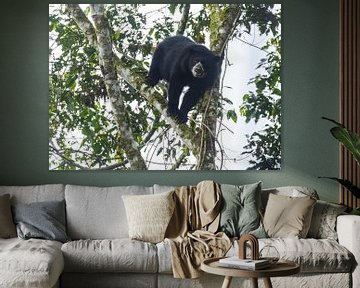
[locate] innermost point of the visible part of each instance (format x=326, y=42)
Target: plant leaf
x=347, y=184
x=349, y=139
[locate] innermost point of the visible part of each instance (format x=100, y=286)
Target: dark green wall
x=310, y=90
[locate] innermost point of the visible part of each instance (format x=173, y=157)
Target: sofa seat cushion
x=30, y=263
x=110, y=255
x=313, y=255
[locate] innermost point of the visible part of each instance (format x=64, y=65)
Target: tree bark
x=222, y=24
x=106, y=59
x=183, y=20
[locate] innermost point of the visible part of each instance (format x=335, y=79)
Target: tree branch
x=222, y=24
x=183, y=20
x=68, y=160
x=83, y=22
x=73, y=163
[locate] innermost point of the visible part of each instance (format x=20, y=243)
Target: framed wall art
x=164, y=86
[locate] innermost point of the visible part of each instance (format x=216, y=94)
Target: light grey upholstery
x=35, y=193
x=32, y=263
x=117, y=255
x=98, y=213
x=108, y=280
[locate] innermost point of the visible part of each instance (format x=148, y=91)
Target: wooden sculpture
x=254, y=246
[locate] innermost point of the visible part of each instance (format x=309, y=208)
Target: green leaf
x=231, y=114
x=349, y=139
x=347, y=184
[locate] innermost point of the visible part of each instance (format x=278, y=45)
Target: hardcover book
x=249, y=264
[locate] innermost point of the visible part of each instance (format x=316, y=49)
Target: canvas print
x=164, y=86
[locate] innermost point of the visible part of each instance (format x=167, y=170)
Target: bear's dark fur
x=181, y=62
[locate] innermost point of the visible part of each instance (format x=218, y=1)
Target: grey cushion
x=44, y=220
x=323, y=222
x=7, y=227
x=240, y=213
x=117, y=255
x=31, y=263
x=98, y=213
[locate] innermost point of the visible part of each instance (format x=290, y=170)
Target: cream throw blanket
x=191, y=230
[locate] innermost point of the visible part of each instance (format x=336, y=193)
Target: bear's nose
x=198, y=70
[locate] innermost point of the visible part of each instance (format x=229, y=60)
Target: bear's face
x=198, y=70
x=203, y=63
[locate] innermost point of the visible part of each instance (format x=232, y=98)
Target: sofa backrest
x=35, y=193
x=293, y=191
x=98, y=212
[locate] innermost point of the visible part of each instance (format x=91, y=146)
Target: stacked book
x=248, y=264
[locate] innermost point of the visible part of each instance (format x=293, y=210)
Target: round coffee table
x=281, y=268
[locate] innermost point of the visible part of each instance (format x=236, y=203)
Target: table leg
x=227, y=282
x=267, y=283
x=254, y=282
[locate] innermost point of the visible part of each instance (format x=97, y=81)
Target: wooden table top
x=281, y=268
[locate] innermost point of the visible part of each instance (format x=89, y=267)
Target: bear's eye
x=194, y=62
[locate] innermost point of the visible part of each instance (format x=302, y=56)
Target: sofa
x=101, y=254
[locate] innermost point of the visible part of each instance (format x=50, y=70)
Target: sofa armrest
x=348, y=230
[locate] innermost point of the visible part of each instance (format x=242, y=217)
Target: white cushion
x=98, y=213
x=117, y=255
x=30, y=263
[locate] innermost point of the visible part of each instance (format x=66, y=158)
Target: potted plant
x=351, y=141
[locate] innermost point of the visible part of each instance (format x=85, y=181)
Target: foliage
x=351, y=141
x=83, y=133
x=265, y=101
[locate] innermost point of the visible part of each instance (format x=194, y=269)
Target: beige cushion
x=292, y=191
x=287, y=217
x=149, y=215
x=116, y=255
x=7, y=226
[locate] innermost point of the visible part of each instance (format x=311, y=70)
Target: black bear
x=182, y=62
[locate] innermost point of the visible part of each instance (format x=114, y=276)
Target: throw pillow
x=323, y=222
x=7, y=226
x=288, y=217
x=149, y=215
x=44, y=220
x=240, y=213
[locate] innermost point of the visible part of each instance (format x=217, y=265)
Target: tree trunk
x=106, y=59
x=222, y=24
